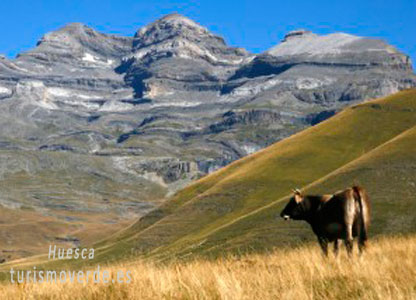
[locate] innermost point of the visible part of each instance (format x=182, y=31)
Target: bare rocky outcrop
x=151, y=112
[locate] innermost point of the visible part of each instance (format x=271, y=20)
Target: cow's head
x=294, y=209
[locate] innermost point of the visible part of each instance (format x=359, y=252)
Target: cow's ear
x=296, y=191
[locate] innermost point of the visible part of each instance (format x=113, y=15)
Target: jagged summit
x=77, y=41
x=172, y=21
x=68, y=31
x=160, y=44
x=175, y=29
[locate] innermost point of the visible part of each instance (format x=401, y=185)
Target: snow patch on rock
x=4, y=91
x=305, y=83
x=248, y=149
x=90, y=58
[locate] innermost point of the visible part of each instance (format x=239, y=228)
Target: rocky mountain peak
x=302, y=41
x=174, y=23
x=75, y=27
x=78, y=41
x=298, y=33
x=339, y=48
x=175, y=36
x=173, y=27
x=71, y=31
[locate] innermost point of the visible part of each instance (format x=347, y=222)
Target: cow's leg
x=362, y=244
x=349, y=221
x=362, y=237
x=323, y=242
x=349, y=239
x=336, y=247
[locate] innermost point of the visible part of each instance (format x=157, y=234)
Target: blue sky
x=254, y=25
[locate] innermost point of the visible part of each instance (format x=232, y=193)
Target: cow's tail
x=364, y=203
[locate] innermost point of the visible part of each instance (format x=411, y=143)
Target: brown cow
x=343, y=215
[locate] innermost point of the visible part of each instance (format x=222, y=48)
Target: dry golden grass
x=386, y=271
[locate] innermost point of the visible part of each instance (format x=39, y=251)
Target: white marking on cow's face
x=286, y=217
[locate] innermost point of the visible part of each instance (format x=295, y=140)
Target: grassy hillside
x=386, y=271
x=388, y=173
x=236, y=207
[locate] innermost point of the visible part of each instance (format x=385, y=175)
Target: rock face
x=86, y=115
x=174, y=54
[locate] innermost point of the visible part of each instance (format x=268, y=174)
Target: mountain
x=236, y=209
x=99, y=129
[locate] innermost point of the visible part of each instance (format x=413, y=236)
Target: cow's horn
x=296, y=191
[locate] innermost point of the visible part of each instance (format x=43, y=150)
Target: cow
x=341, y=216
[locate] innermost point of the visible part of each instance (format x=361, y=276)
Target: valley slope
x=236, y=208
